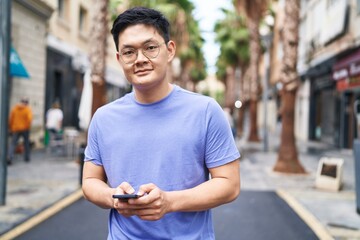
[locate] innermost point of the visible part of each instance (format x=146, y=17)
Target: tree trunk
x=99, y=96
x=98, y=45
x=253, y=136
x=253, y=25
x=288, y=157
x=230, y=87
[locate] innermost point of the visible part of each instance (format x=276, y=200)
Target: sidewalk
x=327, y=213
x=35, y=186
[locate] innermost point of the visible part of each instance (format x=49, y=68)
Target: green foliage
x=113, y=5
x=221, y=68
x=233, y=36
x=220, y=97
x=197, y=73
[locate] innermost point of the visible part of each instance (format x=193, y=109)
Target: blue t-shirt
x=171, y=143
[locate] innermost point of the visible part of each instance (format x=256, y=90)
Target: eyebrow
x=144, y=42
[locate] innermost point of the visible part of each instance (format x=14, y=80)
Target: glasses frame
x=143, y=52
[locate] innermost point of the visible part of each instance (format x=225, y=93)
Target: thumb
x=146, y=188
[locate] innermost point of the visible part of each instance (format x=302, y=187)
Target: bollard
x=81, y=160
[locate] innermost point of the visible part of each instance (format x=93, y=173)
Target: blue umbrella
x=17, y=68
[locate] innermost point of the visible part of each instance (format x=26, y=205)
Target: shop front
x=346, y=74
x=324, y=104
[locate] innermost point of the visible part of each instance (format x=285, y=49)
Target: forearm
x=98, y=192
x=210, y=194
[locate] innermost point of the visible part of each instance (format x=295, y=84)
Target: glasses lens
x=151, y=50
x=128, y=55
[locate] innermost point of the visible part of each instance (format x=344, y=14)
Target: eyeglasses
x=150, y=50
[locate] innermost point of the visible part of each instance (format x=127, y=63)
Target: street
x=254, y=215
x=260, y=212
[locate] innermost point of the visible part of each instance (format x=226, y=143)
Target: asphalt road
x=254, y=215
x=81, y=220
x=259, y=215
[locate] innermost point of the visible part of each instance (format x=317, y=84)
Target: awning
x=17, y=68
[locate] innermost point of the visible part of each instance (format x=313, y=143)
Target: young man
x=160, y=142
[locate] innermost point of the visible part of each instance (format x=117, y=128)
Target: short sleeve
x=92, y=151
x=220, y=144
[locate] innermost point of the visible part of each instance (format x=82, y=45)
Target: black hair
x=140, y=15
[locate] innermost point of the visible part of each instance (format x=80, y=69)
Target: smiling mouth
x=143, y=71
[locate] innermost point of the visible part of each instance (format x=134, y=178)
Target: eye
x=151, y=47
x=127, y=52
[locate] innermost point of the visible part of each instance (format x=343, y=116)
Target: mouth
x=143, y=71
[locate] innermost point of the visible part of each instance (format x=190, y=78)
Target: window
x=82, y=19
x=358, y=6
x=64, y=9
x=61, y=8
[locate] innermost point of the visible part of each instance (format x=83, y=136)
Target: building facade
x=52, y=38
x=328, y=62
x=68, y=47
x=28, y=36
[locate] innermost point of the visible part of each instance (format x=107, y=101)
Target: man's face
x=146, y=69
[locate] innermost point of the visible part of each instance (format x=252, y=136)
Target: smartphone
x=125, y=196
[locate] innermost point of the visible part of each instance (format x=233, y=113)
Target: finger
x=123, y=188
x=150, y=215
x=126, y=187
x=125, y=212
x=146, y=188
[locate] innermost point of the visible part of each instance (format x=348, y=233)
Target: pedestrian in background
x=19, y=125
x=160, y=142
x=54, y=118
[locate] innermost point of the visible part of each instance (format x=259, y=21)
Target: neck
x=152, y=95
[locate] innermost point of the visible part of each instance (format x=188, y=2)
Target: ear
x=171, y=47
x=117, y=56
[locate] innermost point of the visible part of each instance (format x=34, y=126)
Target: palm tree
x=186, y=33
x=192, y=57
x=233, y=36
x=288, y=157
x=97, y=54
x=254, y=10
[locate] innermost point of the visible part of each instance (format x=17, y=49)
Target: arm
x=94, y=186
x=223, y=187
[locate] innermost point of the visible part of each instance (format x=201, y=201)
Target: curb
x=305, y=215
x=42, y=216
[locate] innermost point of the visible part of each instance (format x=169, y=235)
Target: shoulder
x=115, y=106
x=194, y=98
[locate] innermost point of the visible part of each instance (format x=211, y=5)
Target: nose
x=140, y=57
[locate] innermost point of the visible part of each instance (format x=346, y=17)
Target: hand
x=120, y=206
x=152, y=206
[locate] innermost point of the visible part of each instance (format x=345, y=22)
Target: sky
x=207, y=12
